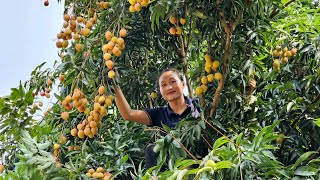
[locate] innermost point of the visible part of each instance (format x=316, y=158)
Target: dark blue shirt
x=165, y=115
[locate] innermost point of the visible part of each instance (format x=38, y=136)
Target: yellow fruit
x=276, y=65
x=62, y=78
x=107, y=56
x=101, y=90
x=115, y=50
x=204, y=80
x=65, y=44
x=65, y=115
x=279, y=140
x=105, y=5
x=111, y=97
x=217, y=76
x=210, y=163
x=153, y=95
x=74, y=132
x=293, y=51
x=204, y=88
x=100, y=169
x=275, y=53
x=109, y=64
x=59, y=44
x=62, y=140
x=179, y=30
x=132, y=2
x=86, y=111
x=96, y=107
x=88, y=175
x=103, y=111
x=81, y=134
x=182, y=21
x=79, y=19
x=40, y=104
x=285, y=49
x=108, y=102
x=101, y=99
x=278, y=47
x=56, y=146
x=288, y=53
x=104, y=48
x=108, y=35
x=91, y=171
x=123, y=32
x=207, y=69
x=111, y=74
x=120, y=41
x=172, y=31
x=78, y=47
x=80, y=127
x=215, y=64
x=210, y=77
x=199, y=91
x=207, y=57
x=114, y=39
x=173, y=20
x=94, y=131
x=66, y=17
x=137, y=7
x=131, y=9
x=87, y=131
x=285, y=60
x=100, y=175
x=85, y=32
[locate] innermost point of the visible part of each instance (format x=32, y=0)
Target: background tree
x=220, y=46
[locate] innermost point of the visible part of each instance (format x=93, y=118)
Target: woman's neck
x=178, y=105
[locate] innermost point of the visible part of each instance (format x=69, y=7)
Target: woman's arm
x=126, y=112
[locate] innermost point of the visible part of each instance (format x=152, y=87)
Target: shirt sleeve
x=154, y=115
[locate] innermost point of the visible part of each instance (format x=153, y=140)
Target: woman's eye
x=162, y=85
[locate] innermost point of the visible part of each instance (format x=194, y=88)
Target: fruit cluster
x=89, y=127
x=209, y=67
x=114, y=46
x=103, y=5
x=282, y=56
x=70, y=30
x=176, y=29
x=99, y=173
x=135, y=5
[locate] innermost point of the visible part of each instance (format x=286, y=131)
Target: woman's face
x=171, y=86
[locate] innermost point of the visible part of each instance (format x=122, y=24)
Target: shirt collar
x=189, y=104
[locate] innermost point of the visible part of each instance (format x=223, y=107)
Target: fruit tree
x=271, y=131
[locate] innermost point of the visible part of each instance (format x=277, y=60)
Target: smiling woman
x=179, y=107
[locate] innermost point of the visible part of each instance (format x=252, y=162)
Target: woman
x=171, y=86
x=179, y=106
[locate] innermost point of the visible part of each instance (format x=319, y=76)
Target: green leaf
x=305, y=171
x=219, y=142
x=223, y=165
x=317, y=122
x=302, y=158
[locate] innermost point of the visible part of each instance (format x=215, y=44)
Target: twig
x=184, y=148
x=276, y=11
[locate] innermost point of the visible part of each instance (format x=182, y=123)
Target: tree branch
x=276, y=11
x=185, y=65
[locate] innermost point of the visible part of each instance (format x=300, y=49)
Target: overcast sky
x=28, y=30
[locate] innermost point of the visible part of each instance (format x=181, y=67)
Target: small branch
x=185, y=65
x=234, y=23
x=184, y=148
x=221, y=133
x=216, y=97
x=276, y=11
x=205, y=140
x=315, y=155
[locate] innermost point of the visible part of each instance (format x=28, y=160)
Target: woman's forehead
x=168, y=75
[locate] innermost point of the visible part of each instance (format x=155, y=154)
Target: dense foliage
x=268, y=132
